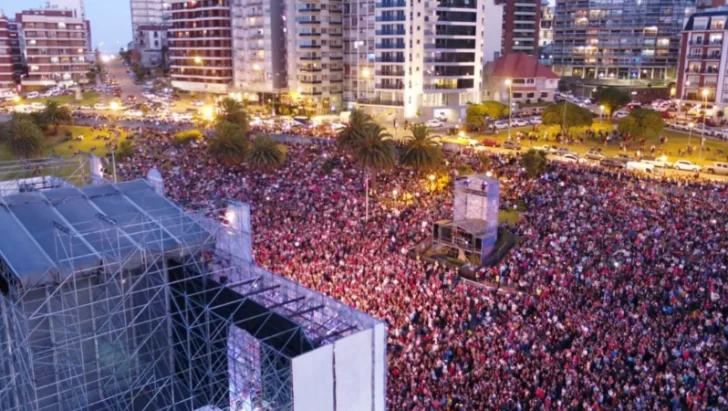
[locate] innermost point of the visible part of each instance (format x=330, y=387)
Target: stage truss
x=147, y=307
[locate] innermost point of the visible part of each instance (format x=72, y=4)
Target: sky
x=110, y=19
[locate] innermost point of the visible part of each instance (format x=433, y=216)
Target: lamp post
x=432, y=182
x=679, y=101
x=509, y=83
x=690, y=133
x=601, y=113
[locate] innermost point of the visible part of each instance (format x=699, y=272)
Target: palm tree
x=56, y=115
x=266, y=153
x=233, y=111
x=229, y=145
x=25, y=138
x=373, y=150
x=421, y=151
x=353, y=131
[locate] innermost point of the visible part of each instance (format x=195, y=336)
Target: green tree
x=642, y=123
x=612, y=99
x=354, y=130
x=56, y=115
x=495, y=109
x=534, y=161
x=229, y=145
x=233, y=111
x=374, y=150
x=575, y=116
x=421, y=151
x=476, y=114
x=24, y=137
x=186, y=136
x=125, y=150
x=266, y=153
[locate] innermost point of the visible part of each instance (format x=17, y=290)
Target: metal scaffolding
x=114, y=298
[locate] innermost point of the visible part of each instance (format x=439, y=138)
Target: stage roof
x=65, y=230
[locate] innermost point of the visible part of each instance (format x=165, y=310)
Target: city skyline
x=110, y=20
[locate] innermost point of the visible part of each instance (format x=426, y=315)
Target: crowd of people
x=614, y=298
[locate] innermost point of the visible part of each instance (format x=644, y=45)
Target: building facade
x=627, y=43
x=149, y=23
x=55, y=47
x=703, y=61
x=519, y=78
x=200, y=46
x=7, y=71
x=546, y=25
x=521, y=19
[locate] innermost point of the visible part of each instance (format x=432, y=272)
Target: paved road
x=116, y=70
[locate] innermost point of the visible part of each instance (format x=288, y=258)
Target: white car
x=620, y=114
x=501, y=124
x=198, y=103
x=686, y=165
x=546, y=149
x=517, y=122
x=535, y=120
x=659, y=162
x=100, y=106
x=434, y=123
x=569, y=158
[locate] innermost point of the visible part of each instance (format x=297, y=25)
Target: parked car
x=490, y=143
x=640, y=166
x=686, y=165
x=620, y=114
x=569, y=158
x=659, y=162
x=511, y=145
x=501, y=124
x=434, y=123
x=562, y=151
x=718, y=168
x=546, y=149
x=623, y=158
x=194, y=103
x=612, y=163
x=595, y=154
x=535, y=120
x=519, y=122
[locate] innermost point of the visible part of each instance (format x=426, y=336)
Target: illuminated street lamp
x=114, y=105
x=706, y=92
x=432, y=181
x=690, y=134
x=601, y=112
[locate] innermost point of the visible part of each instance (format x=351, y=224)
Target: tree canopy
x=476, y=114
x=375, y=149
x=611, y=98
x=575, y=116
x=233, y=111
x=421, y=151
x=534, y=161
x=642, y=123
x=229, y=145
x=354, y=131
x=266, y=153
x=55, y=115
x=23, y=137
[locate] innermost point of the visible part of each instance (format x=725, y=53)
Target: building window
x=517, y=95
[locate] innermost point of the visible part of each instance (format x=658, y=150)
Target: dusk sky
x=110, y=19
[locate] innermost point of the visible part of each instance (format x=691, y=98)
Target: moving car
x=569, y=158
x=594, y=154
x=718, y=168
x=612, y=163
x=434, y=123
x=511, y=145
x=686, y=165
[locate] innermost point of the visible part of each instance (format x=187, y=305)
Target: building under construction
x=114, y=298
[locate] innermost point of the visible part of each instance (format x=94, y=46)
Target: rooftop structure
x=112, y=297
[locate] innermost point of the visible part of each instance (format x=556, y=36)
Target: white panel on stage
x=380, y=366
x=354, y=367
x=313, y=380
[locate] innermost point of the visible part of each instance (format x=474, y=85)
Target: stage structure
x=473, y=231
x=114, y=298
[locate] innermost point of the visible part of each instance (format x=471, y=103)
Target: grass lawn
x=509, y=216
x=675, y=141
x=55, y=143
x=90, y=98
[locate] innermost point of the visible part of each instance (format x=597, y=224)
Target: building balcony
x=390, y=60
x=315, y=58
x=336, y=69
x=711, y=56
x=310, y=69
x=389, y=86
x=309, y=46
x=308, y=9
x=391, y=4
x=380, y=102
x=395, y=32
x=391, y=18
x=311, y=93
x=389, y=73
x=400, y=46
x=309, y=34
x=310, y=81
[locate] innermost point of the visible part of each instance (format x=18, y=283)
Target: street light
x=682, y=98
x=432, y=181
x=601, y=113
x=705, y=115
x=509, y=83
x=690, y=133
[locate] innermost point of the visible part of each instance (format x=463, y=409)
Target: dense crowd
x=616, y=296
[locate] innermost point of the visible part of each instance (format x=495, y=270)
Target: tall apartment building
x=704, y=58
x=359, y=51
x=546, y=25
x=7, y=80
x=521, y=24
x=149, y=24
x=315, y=52
x=200, y=45
x=259, y=49
x=55, y=46
x=631, y=42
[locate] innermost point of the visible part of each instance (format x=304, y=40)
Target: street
x=116, y=71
